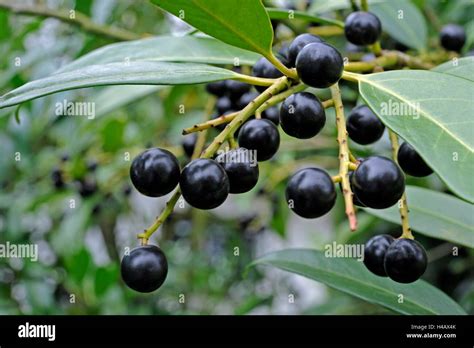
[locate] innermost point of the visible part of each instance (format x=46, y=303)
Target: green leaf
x=105, y=277
x=438, y=124
x=136, y=73
x=351, y=276
x=403, y=21
x=463, y=67
x=435, y=214
x=191, y=49
x=278, y=13
x=240, y=23
x=114, y=97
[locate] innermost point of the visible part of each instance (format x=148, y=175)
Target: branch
x=75, y=18
x=403, y=207
x=388, y=59
x=344, y=160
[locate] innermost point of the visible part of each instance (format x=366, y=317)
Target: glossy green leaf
x=463, y=67
x=240, y=23
x=114, y=97
x=192, y=49
x=351, y=276
x=435, y=214
x=136, y=73
x=437, y=124
x=403, y=21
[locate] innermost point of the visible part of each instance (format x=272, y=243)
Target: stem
x=211, y=123
x=278, y=98
x=364, y=5
x=232, y=142
x=346, y=75
x=336, y=179
x=257, y=81
x=388, y=59
x=403, y=207
x=351, y=166
x=77, y=19
x=343, y=156
x=328, y=30
x=161, y=218
x=244, y=114
x=201, y=139
x=376, y=48
x=291, y=73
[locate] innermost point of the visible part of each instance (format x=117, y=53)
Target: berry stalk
x=344, y=159
x=403, y=207
x=244, y=114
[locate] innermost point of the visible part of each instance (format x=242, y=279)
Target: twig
x=343, y=156
x=75, y=18
x=403, y=207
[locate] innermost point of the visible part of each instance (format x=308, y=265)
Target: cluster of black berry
x=403, y=260
x=86, y=185
x=377, y=182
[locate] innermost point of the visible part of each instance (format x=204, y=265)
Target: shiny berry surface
x=297, y=45
x=362, y=28
x=204, y=184
x=374, y=253
x=411, y=162
x=144, y=269
x=363, y=126
x=302, y=115
x=241, y=168
x=260, y=135
x=405, y=260
x=378, y=182
x=310, y=193
x=155, y=172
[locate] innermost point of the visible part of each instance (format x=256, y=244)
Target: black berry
x=378, y=182
x=204, y=184
x=363, y=126
x=87, y=187
x=236, y=89
x=272, y=114
x=452, y=37
x=223, y=104
x=411, y=162
x=263, y=68
x=57, y=178
x=310, y=193
x=144, y=269
x=245, y=99
x=217, y=88
x=92, y=165
x=302, y=115
x=188, y=144
x=262, y=136
x=297, y=45
x=155, y=172
x=374, y=253
x=241, y=169
x=405, y=260
x=319, y=65
x=362, y=28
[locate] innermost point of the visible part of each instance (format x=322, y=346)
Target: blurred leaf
x=137, y=73
x=435, y=214
x=463, y=67
x=351, y=276
x=322, y=6
x=240, y=23
x=403, y=21
x=112, y=134
x=105, y=277
x=191, y=49
x=78, y=265
x=439, y=127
